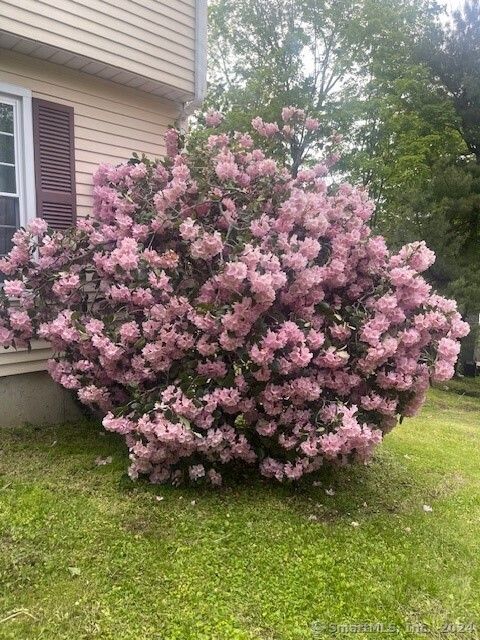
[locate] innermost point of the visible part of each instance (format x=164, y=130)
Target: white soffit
x=93, y=67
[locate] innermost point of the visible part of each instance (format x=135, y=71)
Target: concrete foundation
x=35, y=398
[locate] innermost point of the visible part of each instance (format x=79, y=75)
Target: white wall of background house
x=112, y=75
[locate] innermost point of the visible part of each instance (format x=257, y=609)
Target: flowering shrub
x=219, y=311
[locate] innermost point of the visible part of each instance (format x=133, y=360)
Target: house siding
x=110, y=122
x=153, y=39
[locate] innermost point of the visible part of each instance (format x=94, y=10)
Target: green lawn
x=86, y=553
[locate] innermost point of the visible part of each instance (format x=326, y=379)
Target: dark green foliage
x=454, y=57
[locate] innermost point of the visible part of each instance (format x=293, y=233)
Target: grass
x=85, y=553
x=463, y=386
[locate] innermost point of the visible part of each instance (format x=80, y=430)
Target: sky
x=453, y=4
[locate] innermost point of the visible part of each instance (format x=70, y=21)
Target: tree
x=314, y=55
x=403, y=129
x=455, y=64
x=415, y=131
x=455, y=60
x=266, y=54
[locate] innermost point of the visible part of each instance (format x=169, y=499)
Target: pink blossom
x=266, y=129
x=311, y=124
x=20, y=320
x=129, y=332
x=288, y=113
x=37, y=226
x=189, y=230
x=443, y=371
x=213, y=118
x=196, y=472
x=6, y=337
x=66, y=285
x=171, y=142
x=235, y=273
x=14, y=288
x=138, y=171
x=214, y=477
x=448, y=349
x=207, y=247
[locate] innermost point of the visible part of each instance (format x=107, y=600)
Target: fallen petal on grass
x=100, y=462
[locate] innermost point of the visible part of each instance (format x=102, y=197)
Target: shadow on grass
x=69, y=455
x=469, y=387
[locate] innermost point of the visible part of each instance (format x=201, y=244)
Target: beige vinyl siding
x=155, y=40
x=177, y=10
x=111, y=122
x=22, y=361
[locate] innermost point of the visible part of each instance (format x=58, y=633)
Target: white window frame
x=21, y=99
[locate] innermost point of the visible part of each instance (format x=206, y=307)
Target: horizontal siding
x=94, y=27
x=101, y=143
x=13, y=362
x=155, y=40
x=111, y=122
x=176, y=29
x=176, y=7
x=104, y=131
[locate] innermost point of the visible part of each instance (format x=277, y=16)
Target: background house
x=82, y=83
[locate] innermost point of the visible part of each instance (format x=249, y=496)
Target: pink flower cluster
x=222, y=313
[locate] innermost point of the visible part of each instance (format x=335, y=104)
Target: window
x=17, y=182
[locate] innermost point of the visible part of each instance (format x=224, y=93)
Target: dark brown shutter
x=54, y=149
